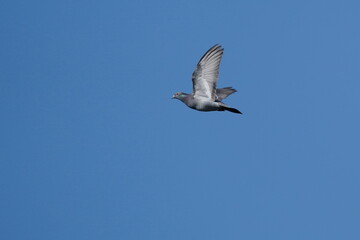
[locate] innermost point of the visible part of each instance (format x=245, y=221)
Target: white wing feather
x=206, y=73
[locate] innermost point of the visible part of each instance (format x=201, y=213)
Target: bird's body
x=206, y=97
x=201, y=103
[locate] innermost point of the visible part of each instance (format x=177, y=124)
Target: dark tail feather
x=234, y=110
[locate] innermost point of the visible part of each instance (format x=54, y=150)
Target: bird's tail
x=226, y=108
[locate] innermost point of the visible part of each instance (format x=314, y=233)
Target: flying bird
x=205, y=96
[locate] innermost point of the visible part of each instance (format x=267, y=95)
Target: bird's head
x=179, y=95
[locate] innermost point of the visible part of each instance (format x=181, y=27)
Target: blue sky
x=92, y=146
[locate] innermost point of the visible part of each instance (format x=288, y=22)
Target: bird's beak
x=173, y=97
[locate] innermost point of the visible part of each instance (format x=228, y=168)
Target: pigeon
x=206, y=97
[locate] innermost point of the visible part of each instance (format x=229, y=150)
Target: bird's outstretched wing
x=222, y=93
x=206, y=73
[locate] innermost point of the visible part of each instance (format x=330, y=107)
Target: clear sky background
x=93, y=147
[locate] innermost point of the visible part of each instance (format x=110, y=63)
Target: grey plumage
x=206, y=97
x=223, y=93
